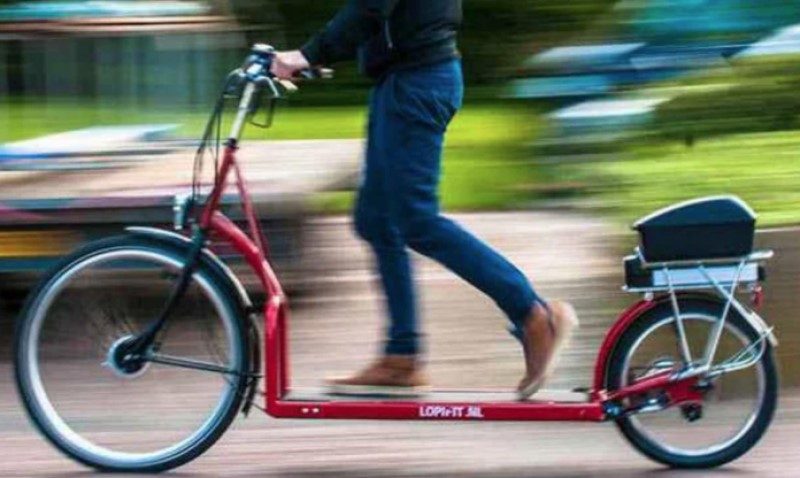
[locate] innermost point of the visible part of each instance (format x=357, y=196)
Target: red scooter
x=110, y=371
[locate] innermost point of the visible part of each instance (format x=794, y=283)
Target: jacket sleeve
x=349, y=28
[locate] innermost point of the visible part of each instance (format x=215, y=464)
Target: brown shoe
x=545, y=333
x=392, y=375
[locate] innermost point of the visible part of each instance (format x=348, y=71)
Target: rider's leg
x=398, y=371
x=410, y=111
x=420, y=108
x=373, y=223
x=395, y=270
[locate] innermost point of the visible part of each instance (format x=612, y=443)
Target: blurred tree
x=497, y=34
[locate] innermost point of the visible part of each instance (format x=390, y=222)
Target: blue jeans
x=398, y=208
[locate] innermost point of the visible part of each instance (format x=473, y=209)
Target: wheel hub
x=122, y=361
x=692, y=412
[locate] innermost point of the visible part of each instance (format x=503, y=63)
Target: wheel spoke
x=189, y=363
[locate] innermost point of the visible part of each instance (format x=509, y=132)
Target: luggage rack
x=695, y=274
x=724, y=276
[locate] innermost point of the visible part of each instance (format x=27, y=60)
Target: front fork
x=147, y=341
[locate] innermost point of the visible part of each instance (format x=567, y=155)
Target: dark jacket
x=388, y=34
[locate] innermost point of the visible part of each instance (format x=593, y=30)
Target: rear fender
x=633, y=313
x=628, y=317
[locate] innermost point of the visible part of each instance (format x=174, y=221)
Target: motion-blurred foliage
x=752, y=95
x=761, y=168
x=496, y=37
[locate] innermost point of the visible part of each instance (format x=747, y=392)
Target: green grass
x=761, y=168
x=487, y=163
x=489, y=167
x=29, y=119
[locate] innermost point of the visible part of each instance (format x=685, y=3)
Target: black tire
x=763, y=416
x=183, y=454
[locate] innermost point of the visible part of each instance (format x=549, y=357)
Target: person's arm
x=340, y=38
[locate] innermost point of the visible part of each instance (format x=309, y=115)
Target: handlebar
x=254, y=76
x=247, y=84
x=257, y=68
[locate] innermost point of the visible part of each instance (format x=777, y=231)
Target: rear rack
x=723, y=276
x=695, y=274
x=755, y=256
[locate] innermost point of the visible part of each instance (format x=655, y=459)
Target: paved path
x=336, y=329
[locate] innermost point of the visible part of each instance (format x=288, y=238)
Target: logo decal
x=450, y=411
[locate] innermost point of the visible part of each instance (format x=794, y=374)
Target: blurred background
x=580, y=103
x=580, y=117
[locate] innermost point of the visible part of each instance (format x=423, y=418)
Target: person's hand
x=286, y=64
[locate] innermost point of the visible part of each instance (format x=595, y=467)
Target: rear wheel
x=111, y=410
x=736, y=409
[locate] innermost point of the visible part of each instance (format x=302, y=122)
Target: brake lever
x=288, y=85
x=306, y=74
x=315, y=74
x=270, y=83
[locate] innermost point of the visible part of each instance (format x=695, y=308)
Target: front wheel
x=114, y=410
x=737, y=407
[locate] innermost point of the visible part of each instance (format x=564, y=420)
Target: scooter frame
x=600, y=404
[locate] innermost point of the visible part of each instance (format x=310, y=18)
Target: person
x=409, y=48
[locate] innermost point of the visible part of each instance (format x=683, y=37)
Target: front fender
x=183, y=242
x=179, y=241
